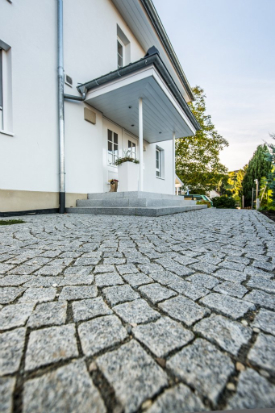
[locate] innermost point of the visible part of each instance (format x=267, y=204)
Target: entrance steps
x=133, y=203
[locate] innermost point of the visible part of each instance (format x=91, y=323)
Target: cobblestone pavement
x=164, y=315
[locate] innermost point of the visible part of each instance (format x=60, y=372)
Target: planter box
x=128, y=177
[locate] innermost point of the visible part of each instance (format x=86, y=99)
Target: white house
x=81, y=82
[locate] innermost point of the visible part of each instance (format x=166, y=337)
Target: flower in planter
x=126, y=158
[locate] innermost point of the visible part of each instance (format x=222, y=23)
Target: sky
x=227, y=47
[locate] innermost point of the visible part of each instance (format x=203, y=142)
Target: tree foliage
x=258, y=167
x=270, y=156
x=224, y=202
x=197, y=157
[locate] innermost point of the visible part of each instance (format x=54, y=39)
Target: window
x=112, y=147
x=123, y=48
x=119, y=54
x=5, y=89
x=159, y=162
x=1, y=91
x=132, y=149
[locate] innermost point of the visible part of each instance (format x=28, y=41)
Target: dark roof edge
x=163, y=36
x=151, y=60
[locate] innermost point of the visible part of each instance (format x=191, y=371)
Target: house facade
x=124, y=90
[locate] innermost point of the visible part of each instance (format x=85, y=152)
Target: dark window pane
x=115, y=138
x=129, y=144
x=110, y=146
x=110, y=135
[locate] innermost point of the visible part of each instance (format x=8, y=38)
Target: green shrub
x=11, y=221
x=203, y=202
x=224, y=202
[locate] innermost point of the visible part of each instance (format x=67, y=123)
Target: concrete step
x=131, y=195
x=139, y=211
x=133, y=202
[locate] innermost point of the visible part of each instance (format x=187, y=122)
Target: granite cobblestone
x=101, y=313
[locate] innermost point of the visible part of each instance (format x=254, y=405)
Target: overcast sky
x=228, y=48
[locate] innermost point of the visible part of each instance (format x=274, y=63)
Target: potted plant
x=113, y=185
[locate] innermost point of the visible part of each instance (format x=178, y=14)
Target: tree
x=197, y=157
x=257, y=168
x=271, y=176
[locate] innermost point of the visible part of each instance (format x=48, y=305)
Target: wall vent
x=68, y=80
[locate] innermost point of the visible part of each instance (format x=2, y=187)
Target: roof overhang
x=165, y=111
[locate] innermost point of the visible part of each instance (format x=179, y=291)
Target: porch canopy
x=144, y=88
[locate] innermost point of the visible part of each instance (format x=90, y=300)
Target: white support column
x=173, y=164
x=140, y=182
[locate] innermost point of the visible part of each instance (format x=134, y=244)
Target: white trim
x=3, y=132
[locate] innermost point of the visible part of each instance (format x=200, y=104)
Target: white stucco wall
x=29, y=159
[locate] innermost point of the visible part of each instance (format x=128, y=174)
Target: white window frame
x=6, y=124
x=159, y=159
x=122, y=57
x=113, y=153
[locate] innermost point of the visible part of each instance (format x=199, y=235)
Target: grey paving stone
x=230, y=275
x=149, y=268
x=92, y=261
x=38, y=295
x=137, y=279
x=179, y=399
x=6, y=390
x=47, y=314
x=9, y=294
x=226, y=305
x=14, y=280
x=86, y=309
x=261, y=283
x=50, y=270
x=133, y=374
x=256, y=271
x=228, y=334
x=24, y=269
x=108, y=279
x=185, y=260
x=231, y=288
x=120, y=294
x=265, y=320
x=11, y=349
x=183, y=309
x=268, y=266
x=127, y=269
x=69, y=389
x=188, y=289
x=78, y=270
x=4, y=268
x=78, y=292
x=203, y=280
x=156, y=293
x=204, y=367
x=173, y=266
x=253, y=392
x=15, y=315
x=165, y=277
x=101, y=333
x=232, y=265
x=113, y=260
x=163, y=336
x=204, y=267
x=50, y=345
x=136, y=312
x=262, y=353
x=76, y=280
x=101, y=269
x=61, y=261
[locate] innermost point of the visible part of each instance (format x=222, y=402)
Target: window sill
x=160, y=177
x=4, y=132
